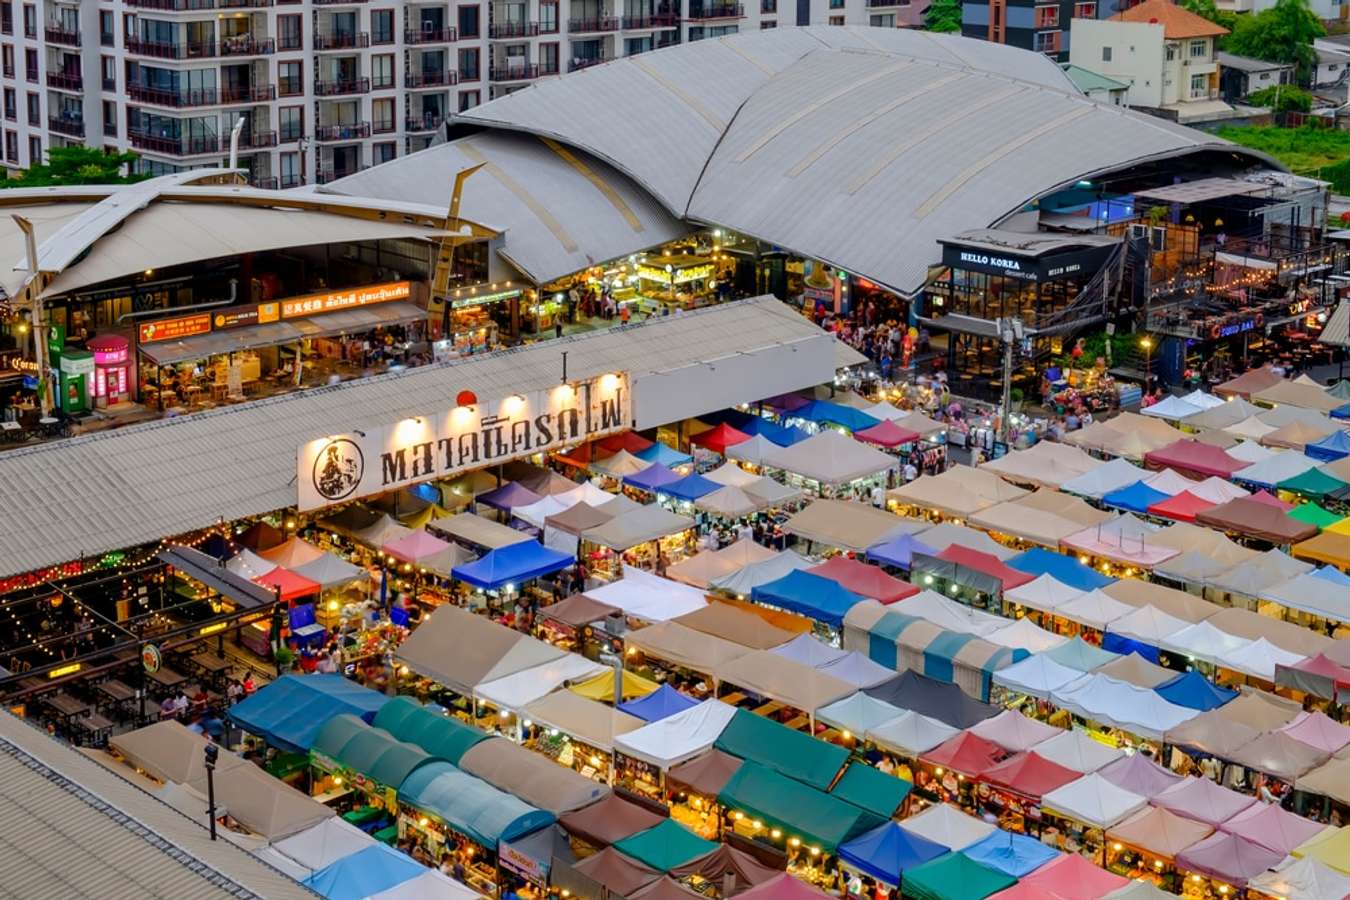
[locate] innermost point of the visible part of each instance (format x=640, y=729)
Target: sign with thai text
x=344, y=467
x=174, y=329
x=332, y=301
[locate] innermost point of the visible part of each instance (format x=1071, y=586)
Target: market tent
x=1080, y=655
x=1134, y=669
x=831, y=458
x=1332, y=447
x=470, y=806
x=730, y=502
x=1248, y=383
x=1194, y=458
x=857, y=714
x=939, y=700
x=1036, y=526
x=1313, y=483
x=766, y=674
x=430, y=885
x=726, y=862
x=1194, y=691
x=1251, y=453
x=888, y=851
x=1296, y=435
x=705, y=774
x=1303, y=396
x=1312, y=594
x=1014, y=731
x=1314, y=515
x=1125, y=539
x=942, y=536
x=910, y=734
x=917, y=421
x=691, y=487
x=1036, y=676
x=1074, y=749
x=609, y=820
x=1204, y=642
x=703, y=568
x=578, y=610
x=792, y=753
x=725, y=620
x=415, y=547
x=678, y=645
x=834, y=413
x=1251, y=577
x=1137, y=497
x=628, y=440
x=561, y=530
x=955, y=877
x=662, y=703
x=429, y=727
x=1234, y=410
x=1065, y=506
x=169, y=751
x=731, y=475
x=1071, y=877
x=1029, y=774
x=864, y=580
x=1304, y=879
x=1121, y=705
x=1213, y=734
x=772, y=493
x=1174, y=408
x=1146, y=627
x=665, y=846
x=947, y=825
x=985, y=564
x=536, y=779
x=379, y=532
x=1203, y=800
x=784, y=887
x=287, y=584
x=798, y=810
x=858, y=670
x=330, y=571
x=609, y=870
x=848, y=525
x=1139, y=774
x=515, y=691
x=371, y=752
x=649, y=597
x=259, y=537
x=602, y=686
x=939, y=494
x=248, y=564
x=477, y=530
x=652, y=478
x=1319, y=731
x=1011, y=853
x=887, y=434
x=1178, y=604
x=1045, y=464
x=809, y=650
x=1039, y=561
x=1044, y=592
x=364, y=873
x=644, y=524
x=965, y=753
x=321, y=845
x=1260, y=710
x=292, y=553
x=261, y=803
x=462, y=650
x=1104, y=479
x=1159, y=832
x=1271, y=471
x=1094, y=801
x=721, y=437
x=1331, y=847
x=1203, y=400
x=621, y=464
x=593, y=723
x=290, y=711
x=1279, y=755
x=814, y=596
x=760, y=449
x=1026, y=635
x=1095, y=609
x=1183, y=506
x=677, y=737
x=509, y=496
x=1228, y=858
x=1273, y=827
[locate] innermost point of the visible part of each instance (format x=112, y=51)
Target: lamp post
x=212, y=754
x=1147, y=343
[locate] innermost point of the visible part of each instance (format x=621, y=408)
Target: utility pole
x=1010, y=330
x=212, y=754
x=34, y=286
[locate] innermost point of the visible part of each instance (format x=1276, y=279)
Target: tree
x=78, y=165
x=1282, y=98
x=943, y=16
x=1284, y=33
x=1207, y=9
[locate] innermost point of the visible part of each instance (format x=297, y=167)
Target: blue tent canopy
x=1066, y=569
x=470, y=805
x=1332, y=574
x=513, y=493
x=1012, y=854
x=426, y=491
x=666, y=456
x=899, y=552
x=1194, y=691
x=1137, y=497
x=887, y=851
x=363, y=873
x=691, y=487
x=835, y=413
x=1341, y=412
x=290, y=711
x=810, y=595
x=773, y=432
x=1330, y=448
x=732, y=417
x=652, y=478
x=512, y=563
x=662, y=703
x=1118, y=643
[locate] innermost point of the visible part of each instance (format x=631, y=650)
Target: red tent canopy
x=986, y=563
x=1183, y=507
x=718, y=439
x=629, y=440
x=1270, y=499
x=1030, y=775
x=1194, y=457
x=966, y=753
x=1071, y=877
x=864, y=579
x=291, y=584
x=887, y=434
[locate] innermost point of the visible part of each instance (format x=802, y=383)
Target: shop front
x=482, y=318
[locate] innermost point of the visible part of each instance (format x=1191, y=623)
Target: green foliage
x=1094, y=345
x=943, y=16
x=285, y=658
x=1316, y=152
x=78, y=165
x=1283, y=33
x=1282, y=98
x=1208, y=10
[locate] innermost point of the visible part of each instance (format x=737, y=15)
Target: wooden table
x=209, y=663
x=769, y=708
x=166, y=677
x=116, y=692
x=94, y=727
x=734, y=699
x=66, y=705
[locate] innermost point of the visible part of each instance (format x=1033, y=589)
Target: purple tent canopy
x=1229, y=858
x=513, y=493
x=900, y=551
x=1139, y=774
x=786, y=402
x=652, y=478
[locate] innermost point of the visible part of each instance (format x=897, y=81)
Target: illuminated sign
x=65, y=670
x=252, y=314
x=332, y=301
x=173, y=329
x=483, y=299
x=343, y=467
x=680, y=276
x=19, y=364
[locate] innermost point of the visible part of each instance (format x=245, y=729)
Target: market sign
x=333, y=301
x=523, y=864
x=250, y=314
x=174, y=329
x=483, y=299
x=678, y=276
x=1078, y=263
x=344, y=467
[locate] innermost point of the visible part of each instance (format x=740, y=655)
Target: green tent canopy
x=817, y=818
x=373, y=752
x=1340, y=390
x=1312, y=483
x=872, y=789
x=435, y=732
x=954, y=877
x=1314, y=515
x=791, y=753
x=665, y=847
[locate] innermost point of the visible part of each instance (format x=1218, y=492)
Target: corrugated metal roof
x=563, y=211
x=71, y=828
x=101, y=492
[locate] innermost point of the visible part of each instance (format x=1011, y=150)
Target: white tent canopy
x=535, y=513
x=946, y=825
x=1201, y=399
x=1099, y=482
x=858, y=714
x=1148, y=624
x=1014, y=731
x=1025, y=635
x=1120, y=704
x=646, y=523
x=430, y=885
x=1044, y=592
x=516, y=690
x=741, y=583
x=1314, y=595
x=1093, y=800
x=1095, y=609
x=1216, y=490
x=730, y=502
x=758, y=451
x=670, y=741
x=831, y=458
x=884, y=410
x=1169, y=482
x=731, y=475
x=1250, y=452
x=773, y=493
x=1075, y=750
x=1037, y=676
x=330, y=571
x=620, y=464
x=950, y=614
x=858, y=670
x=1260, y=657
x=910, y=734
x=1173, y=408
x=1303, y=879
x=649, y=597
x=1206, y=643
x=318, y=847
x=1277, y=468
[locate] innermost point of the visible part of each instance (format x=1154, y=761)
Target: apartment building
x=1040, y=25
x=324, y=88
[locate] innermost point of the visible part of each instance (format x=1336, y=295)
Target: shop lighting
x=553, y=732
x=757, y=824
x=938, y=770
x=848, y=735
x=796, y=842
x=776, y=834
x=815, y=851
x=403, y=670
x=337, y=780
x=527, y=724
x=737, y=816
x=609, y=382
x=928, y=579
x=65, y=670
x=510, y=588
x=1117, y=846
x=212, y=629
x=514, y=404
x=424, y=821
x=505, y=714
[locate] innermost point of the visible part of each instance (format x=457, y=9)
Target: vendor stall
x=1146, y=846
x=578, y=732
x=1077, y=815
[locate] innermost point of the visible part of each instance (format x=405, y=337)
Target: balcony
x=58, y=35
x=659, y=20
x=65, y=81
x=414, y=80
x=425, y=123
x=265, y=183
x=575, y=65
x=506, y=30
x=703, y=12
x=882, y=4
x=353, y=132
x=174, y=146
x=160, y=50
x=337, y=2
x=342, y=86
x=326, y=176
x=176, y=99
x=172, y=5
x=521, y=73
x=601, y=23
x=243, y=93
x=257, y=140
x=71, y=126
x=292, y=180
x=430, y=36
x=352, y=40
x=247, y=45
x=245, y=4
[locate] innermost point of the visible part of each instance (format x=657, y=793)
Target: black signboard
x=1077, y=263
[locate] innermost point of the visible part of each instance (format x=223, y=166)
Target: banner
x=344, y=467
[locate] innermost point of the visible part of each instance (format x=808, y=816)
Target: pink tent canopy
x=1139, y=774
x=1272, y=827
x=887, y=434
x=1190, y=457
x=1270, y=499
x=1071, y=877
x=986, y=564
x=1203, y=800
x=415, y=547
x=866, y=580
x=1229, y=858
x=783, y=887
x=1319, y=730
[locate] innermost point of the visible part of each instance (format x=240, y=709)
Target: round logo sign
x=338, y=469
x=150, y=658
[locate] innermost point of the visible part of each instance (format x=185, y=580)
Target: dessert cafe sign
x=470, y=435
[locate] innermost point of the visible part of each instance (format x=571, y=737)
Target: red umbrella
x=720, y=438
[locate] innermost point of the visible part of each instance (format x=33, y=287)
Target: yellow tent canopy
x=1331, y=847
x=601, y=687
x=1331, y=546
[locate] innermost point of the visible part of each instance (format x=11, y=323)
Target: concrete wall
x=1136, y=55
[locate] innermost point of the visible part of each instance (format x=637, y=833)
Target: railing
x=348, y=41
x=504, y=30
x=32, y=74
x=521, y=73
x=382, y=126
x=342, y=86
x=161, y=50
x=255, y=140
x=430, y=36
x=172, y=5
x=245, y=4
x=601, y=23
x=58, y=35
x=266, y=184
x=258, y=93
x=290, y=181
x=66, y=125
x=172, y=146
x=876, y=4
x=657, y=20
x=717, y=11
x=161, y=97
x=110, y=84
x=328, y=175
x=65, y=82
x=336, y=2
x=575, y=65
x=425, y=123
x=247, y=45
x=353, y=132
x=291, y=42
x=430, y=79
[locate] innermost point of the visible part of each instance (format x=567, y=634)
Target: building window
x=11, y=146
x=290, y=170
x=836, y=4
x=7, y=18
x=12, y=105
x=468, y=100
x=291, y=123
x=291, y=78
x=7, y=55
x=1199, y=49
x=1048, y=41
x=1199, y=86
x=548, y=58
x=29, y=20
x=1085, y=10
x=1171, y=52
x=106, y=28
x=35, y=151
x=468, y=21
x=382, y=71
x=30, y=64
x=882, y=21
x=1106, y=54
x=768, y=7
x=290, y=32
x=1047, y=17
x=110, y=118
x=382, y=114
x=468, y=64
x=384, y=151
x=34, y=109
x=109, y=73
x=836, y=20
x=548, y=18
x=381, y=26
x=765, y=26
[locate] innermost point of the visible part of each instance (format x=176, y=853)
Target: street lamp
x=212, y=754
x=1147, y=343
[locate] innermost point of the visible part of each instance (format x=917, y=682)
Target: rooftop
x=1088, y=81
x=1250, y=64
x=1177, y=23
